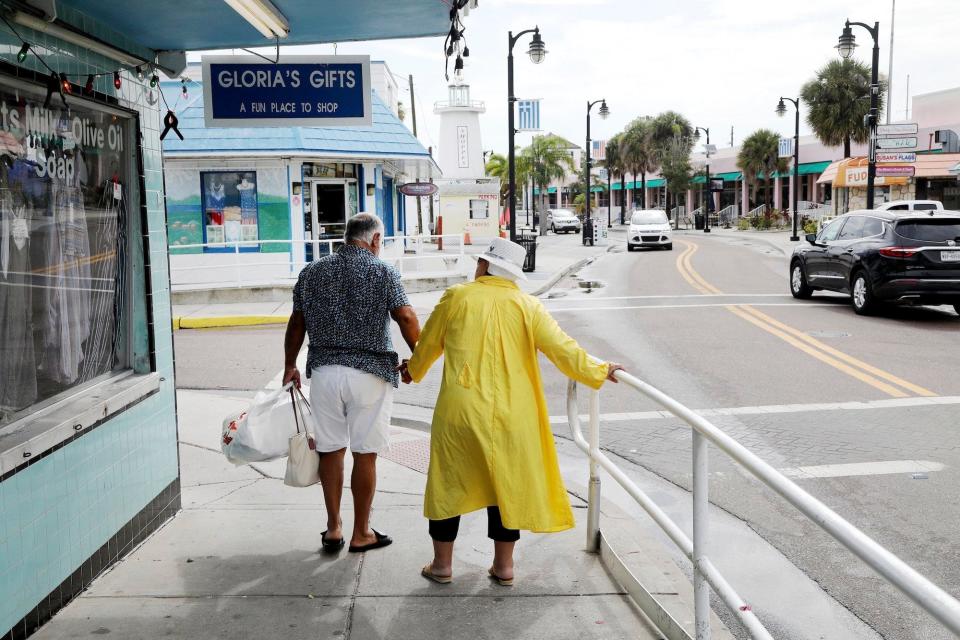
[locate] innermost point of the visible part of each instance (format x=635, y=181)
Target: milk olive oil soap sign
x=247, y=91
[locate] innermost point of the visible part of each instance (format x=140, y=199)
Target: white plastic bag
x=263, y=431
x=303, y=463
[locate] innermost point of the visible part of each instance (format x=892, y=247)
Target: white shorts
x=351, y=408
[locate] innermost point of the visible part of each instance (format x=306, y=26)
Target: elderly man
x=491, y=445
x=344, y=302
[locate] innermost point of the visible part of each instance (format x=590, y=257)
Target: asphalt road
x=712, y=324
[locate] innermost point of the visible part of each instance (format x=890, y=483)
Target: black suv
x=878, y=256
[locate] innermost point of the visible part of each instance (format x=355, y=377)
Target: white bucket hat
x=505, y=258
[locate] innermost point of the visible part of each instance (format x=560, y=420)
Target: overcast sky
x=721, y=63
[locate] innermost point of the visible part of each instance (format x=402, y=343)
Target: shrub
x=810, y=226
x=743, y=224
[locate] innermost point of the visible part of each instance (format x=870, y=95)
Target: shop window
x=479, y=209
x=67, y=192
x=230, y=209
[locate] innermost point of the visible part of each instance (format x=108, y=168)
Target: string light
x=183, y=87
x=117, y=82
x=154, y=80
x=65, y=84
x=139, y=69
x=89, y=86
x=23, y=52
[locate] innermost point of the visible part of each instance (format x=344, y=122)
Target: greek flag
x=786, y=147
x=529, y=115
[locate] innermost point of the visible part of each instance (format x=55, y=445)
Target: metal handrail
x=758, y=211
x=937, y=602
x=295, y=265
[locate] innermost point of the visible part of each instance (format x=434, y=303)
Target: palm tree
x=615, y=167
x=497, y=167
x=760, y=156
x=838, y=100
x=675, y=166
x=549, y=161
x=638, y=155
x=670, y=134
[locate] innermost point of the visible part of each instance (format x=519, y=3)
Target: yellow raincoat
x=491, y=442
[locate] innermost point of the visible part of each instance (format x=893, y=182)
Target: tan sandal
x=427, y=572
x=503, y=582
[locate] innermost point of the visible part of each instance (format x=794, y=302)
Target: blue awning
x=174, y=25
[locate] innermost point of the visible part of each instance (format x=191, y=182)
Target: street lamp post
x=604, y=113
x=537, y=51
x=845, y=46
x=609, y=197
x=706, y=181
x=781, y=111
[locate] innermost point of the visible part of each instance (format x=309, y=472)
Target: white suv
x=649, y=228
x=911, y=205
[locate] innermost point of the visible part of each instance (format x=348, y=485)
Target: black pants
x=446, y=530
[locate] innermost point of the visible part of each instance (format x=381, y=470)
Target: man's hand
x=404, y=370
x=611, y=368
x=291, y=373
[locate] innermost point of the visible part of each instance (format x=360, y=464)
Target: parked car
x=650, y=228
x=911, y=205
x=883, y=256
x=563, y=220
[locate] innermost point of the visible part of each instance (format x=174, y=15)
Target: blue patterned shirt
x=346, y=299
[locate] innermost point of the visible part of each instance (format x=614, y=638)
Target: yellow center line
x=920, y=391
x=866, y=373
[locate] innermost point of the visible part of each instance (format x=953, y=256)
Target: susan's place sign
x=247, y=91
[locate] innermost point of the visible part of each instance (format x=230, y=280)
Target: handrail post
x=236, y=263
x=701, y=505
x=593, y=490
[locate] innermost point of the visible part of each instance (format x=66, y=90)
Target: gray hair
x=362, y=227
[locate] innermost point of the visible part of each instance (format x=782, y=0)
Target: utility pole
x=430, y=151
x=731, y=137
x=413, y=114
x=893, y=15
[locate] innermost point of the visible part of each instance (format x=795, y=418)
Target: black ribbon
x=170, y=122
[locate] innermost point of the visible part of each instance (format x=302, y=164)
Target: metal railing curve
x=937, y=602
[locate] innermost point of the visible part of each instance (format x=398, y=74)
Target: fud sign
x=247, y=91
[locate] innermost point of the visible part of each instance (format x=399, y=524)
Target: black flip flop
x=330, y=546
x=383, y=540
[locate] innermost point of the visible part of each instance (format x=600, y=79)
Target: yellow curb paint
x=212, y=322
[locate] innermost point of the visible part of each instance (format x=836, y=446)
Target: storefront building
x=932, y=180
x=277, y=194
x=88, y=425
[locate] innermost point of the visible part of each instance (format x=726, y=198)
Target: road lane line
x=837, y=359
x=867, y=405
x=591, y=297
x=690, y=248
x=885, y=467
x=833, y=362
x=889, y=377
x=654, y=307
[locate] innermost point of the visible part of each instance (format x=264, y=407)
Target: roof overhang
x=172, y=25
x=413, y=166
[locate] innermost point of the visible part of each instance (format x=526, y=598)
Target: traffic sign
x=904, y=129
x=897, y=143
x=896, y=157
x=907, y=170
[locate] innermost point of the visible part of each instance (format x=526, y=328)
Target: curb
x=559, y=275
x=214, y=322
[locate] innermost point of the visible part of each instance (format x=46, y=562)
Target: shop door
x=328, y=213
x=388, y=217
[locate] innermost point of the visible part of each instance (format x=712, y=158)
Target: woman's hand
x=405, y=372
x=611, y=368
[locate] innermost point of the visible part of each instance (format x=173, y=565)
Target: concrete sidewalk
x=240, y=561
x=557, y=256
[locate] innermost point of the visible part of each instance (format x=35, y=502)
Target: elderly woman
x=491, y=445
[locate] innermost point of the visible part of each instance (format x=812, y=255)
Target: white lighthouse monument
x=469, y=201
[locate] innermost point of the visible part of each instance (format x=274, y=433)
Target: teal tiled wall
x=55, y=513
